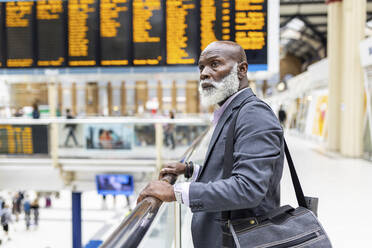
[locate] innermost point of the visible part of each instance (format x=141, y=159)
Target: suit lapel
x=221, y=123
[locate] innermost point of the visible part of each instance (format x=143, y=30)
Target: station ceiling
x=303, y=28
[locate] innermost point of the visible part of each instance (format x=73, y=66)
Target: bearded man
x=253, y=187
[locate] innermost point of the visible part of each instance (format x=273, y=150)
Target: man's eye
x=214, y=64
x=201, y=67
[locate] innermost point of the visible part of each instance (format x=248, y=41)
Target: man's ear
x=242, y=69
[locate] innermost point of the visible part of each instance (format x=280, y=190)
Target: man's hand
x=175, y=168
x=159, y=189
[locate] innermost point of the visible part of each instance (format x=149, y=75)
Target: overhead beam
x=316, y=32
x=305, y=14
x=298, y=2
x=285, y=22
x=323, y=14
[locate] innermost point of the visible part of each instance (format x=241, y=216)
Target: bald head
x=232, y=49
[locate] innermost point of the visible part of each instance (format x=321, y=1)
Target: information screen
x=115, y=33
x=182, y=38
x=251, y=29
x=51, y=32
x=2, y=41
x=147, y=32
x=23, y=139
x=82, y=32
x=19, y=30
x=215, y=21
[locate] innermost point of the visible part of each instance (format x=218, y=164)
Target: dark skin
x=215, y=63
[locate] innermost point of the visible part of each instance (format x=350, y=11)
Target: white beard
x=221, y=90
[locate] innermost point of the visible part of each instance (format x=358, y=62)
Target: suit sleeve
x=258, y=140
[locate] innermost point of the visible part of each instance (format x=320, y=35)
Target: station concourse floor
x=343, y=185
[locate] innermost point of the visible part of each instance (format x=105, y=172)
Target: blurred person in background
x=169, y=133
x=35, y=111
x=282, y=115
x=35, y=210
x=48, y=201
x=18, y=113
x=27, y=209
x=16, y=207
x=5, y=219
x=71, y=129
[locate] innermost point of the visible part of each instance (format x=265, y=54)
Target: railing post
x=177, y=222
x=159, y=146
x=76, y=220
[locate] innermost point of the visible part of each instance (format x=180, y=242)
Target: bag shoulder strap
x=229, y=161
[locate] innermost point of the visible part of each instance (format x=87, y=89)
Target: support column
x=76, y=220
x=160, y=96
x=60, y=99
x=141, y=95
x=192, y=97
x=334, y=48
x=174, y=96
x=52, y=101
x=73, y=99
x=352, y=95
x=123, y=98
x=109, y=98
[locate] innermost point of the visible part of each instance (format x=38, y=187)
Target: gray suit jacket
x=253, y=189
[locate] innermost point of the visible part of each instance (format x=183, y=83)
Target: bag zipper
x=296, y=241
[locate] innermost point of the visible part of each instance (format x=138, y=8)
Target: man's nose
x=205, y=74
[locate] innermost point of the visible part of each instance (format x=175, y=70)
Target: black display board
x=2, y=40
x=23, y=139
x=182, y=41
x=19, y=29
x=251, y=29
x=215, y=21
x=148, y=32
x=115, y=32
x=82, y=32
x=51, y=32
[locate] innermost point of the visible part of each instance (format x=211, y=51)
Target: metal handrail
x=134, y=227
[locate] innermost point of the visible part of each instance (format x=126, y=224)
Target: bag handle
x=229, y=161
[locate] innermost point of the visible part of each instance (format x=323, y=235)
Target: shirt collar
x=219, y=111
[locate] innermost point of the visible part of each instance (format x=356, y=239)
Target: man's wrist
x=189, y=169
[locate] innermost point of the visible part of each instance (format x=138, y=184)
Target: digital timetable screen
x=19, y=26
x=148, y=30
x=23, y=139
x=91, y=33
x=82, y=32
x=215, y=21
x=51, y=33
x=181, y=22
x=115, y=32
x=251, y=30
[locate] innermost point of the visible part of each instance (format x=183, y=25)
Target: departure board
x=2, y=41
x=51, y=32
x=23, y=139
x=87, y=33
x=115, y=21
x=215, y=21
x=251, y=29
x=182, y=39
x=147, y=32
x=19, y=31
x=82, y=32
